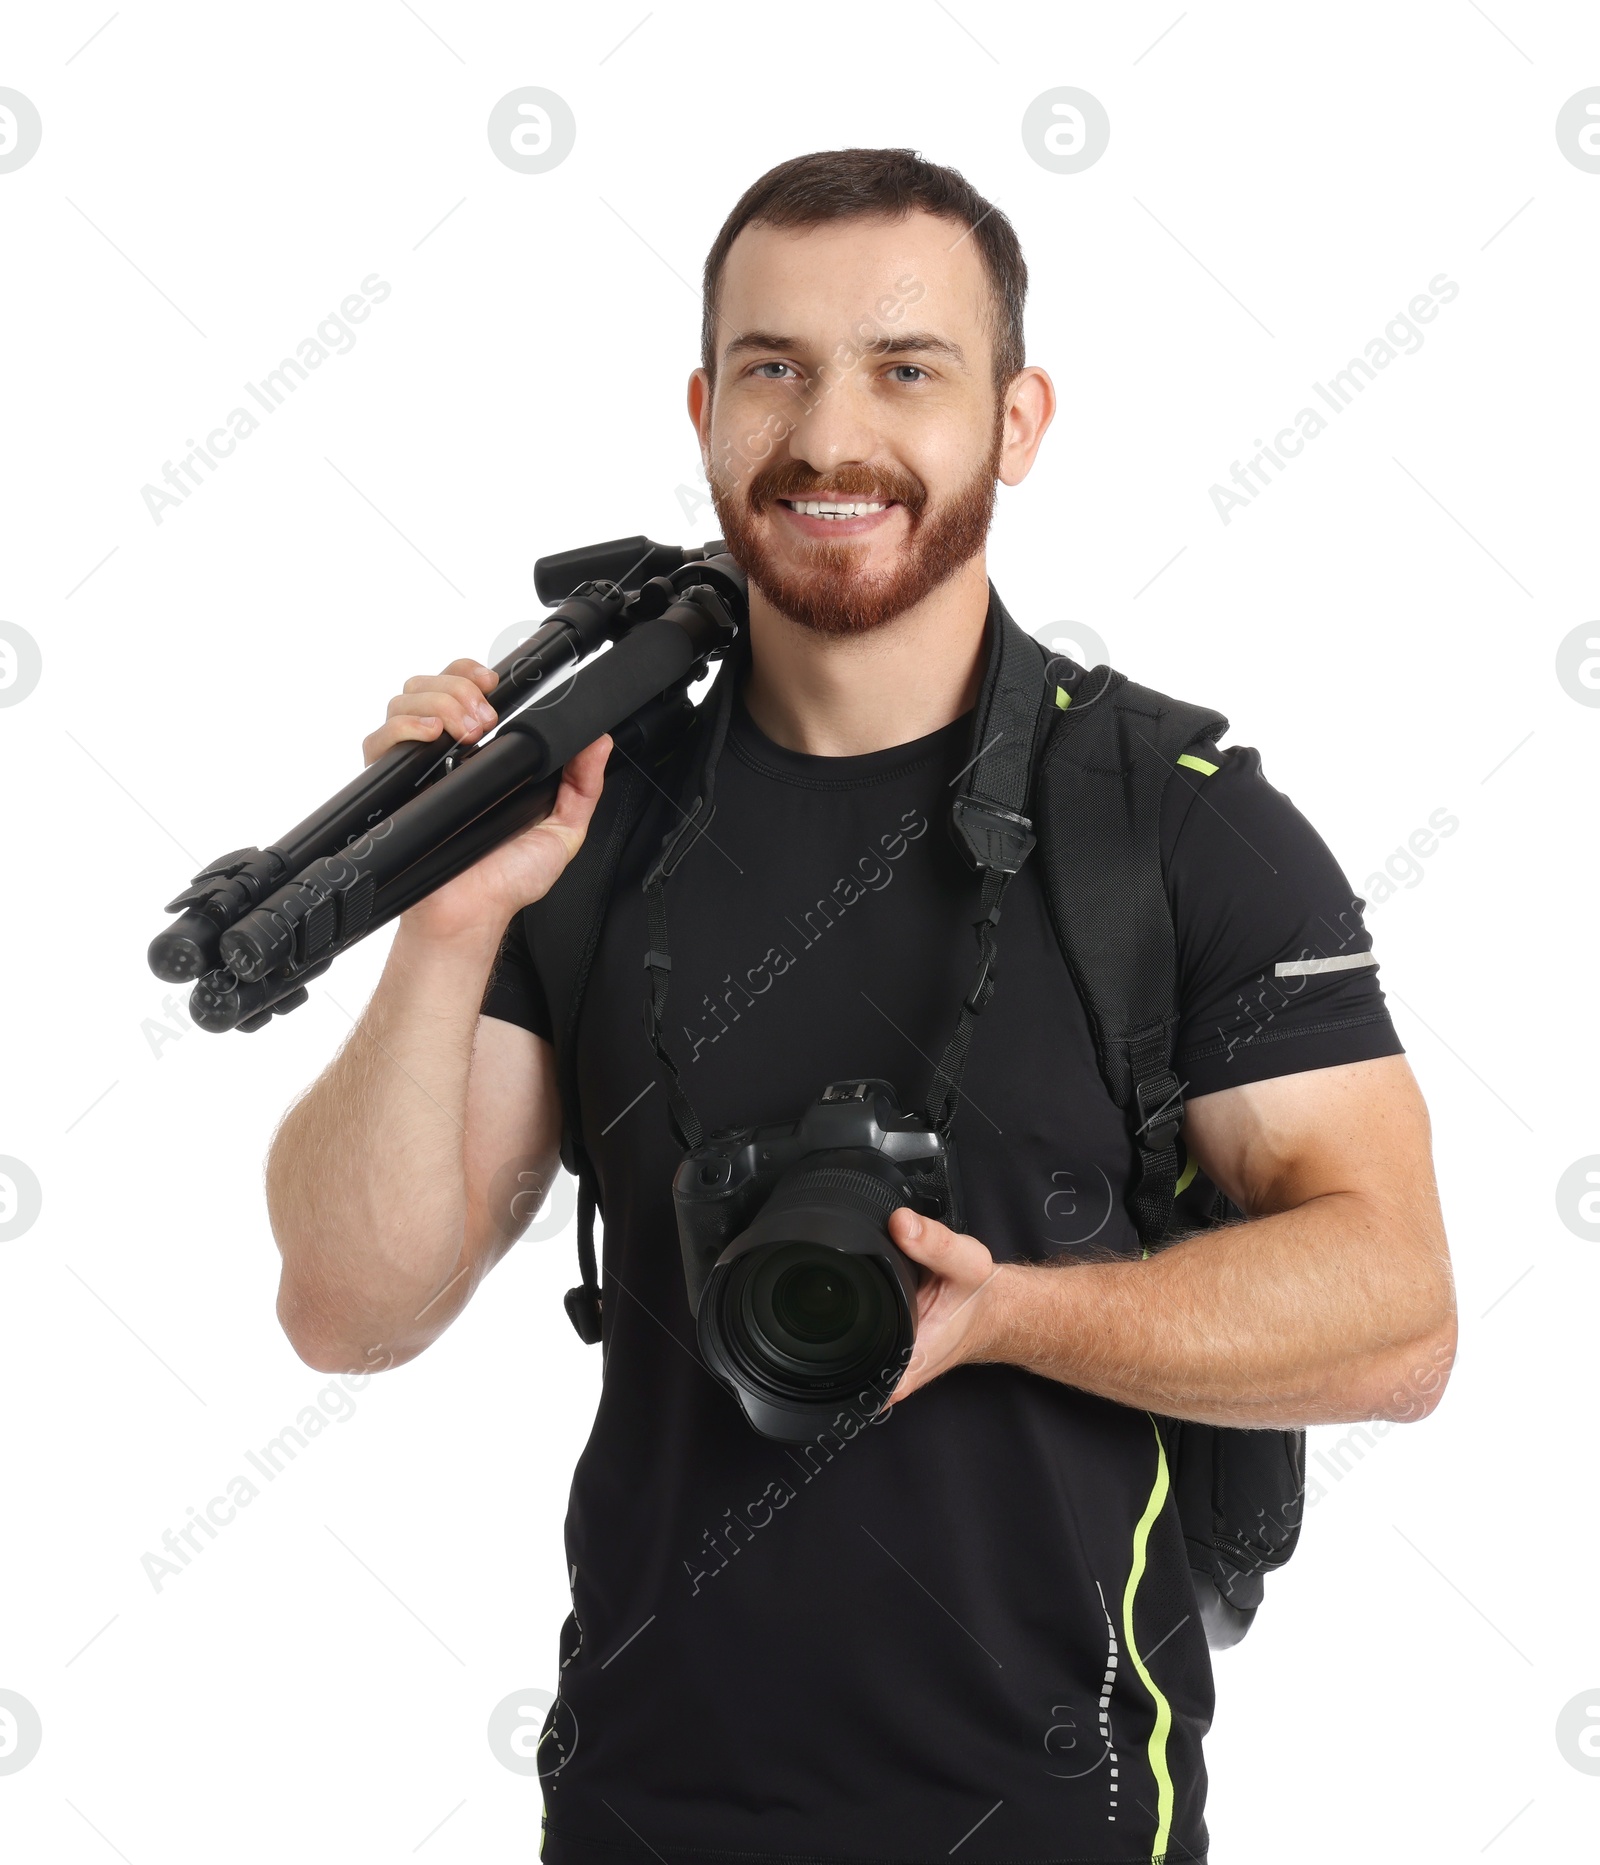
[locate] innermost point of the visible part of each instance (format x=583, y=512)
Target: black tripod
x=255, y=926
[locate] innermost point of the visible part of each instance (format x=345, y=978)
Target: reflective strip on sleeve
x=1191, y=763
x=1308, y=967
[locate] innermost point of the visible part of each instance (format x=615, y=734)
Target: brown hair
x=846, y=184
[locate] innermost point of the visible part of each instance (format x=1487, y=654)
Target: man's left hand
x=958, y=1303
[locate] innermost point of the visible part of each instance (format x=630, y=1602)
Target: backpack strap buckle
x=1160, y=1102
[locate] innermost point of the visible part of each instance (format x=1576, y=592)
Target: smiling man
x=960, y=1623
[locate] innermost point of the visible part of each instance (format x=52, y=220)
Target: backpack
x=1072, y=762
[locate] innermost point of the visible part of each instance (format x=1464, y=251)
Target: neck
x=840, y=695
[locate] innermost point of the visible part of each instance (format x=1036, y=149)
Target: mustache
x=794, y=479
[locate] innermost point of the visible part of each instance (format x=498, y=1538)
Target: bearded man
x=961, y=1622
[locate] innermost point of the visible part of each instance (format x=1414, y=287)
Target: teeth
x=832, y=508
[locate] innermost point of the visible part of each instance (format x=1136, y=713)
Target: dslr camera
x=801, y=1300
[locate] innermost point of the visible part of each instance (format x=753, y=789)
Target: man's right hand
x=520, y=870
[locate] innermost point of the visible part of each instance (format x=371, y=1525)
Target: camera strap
x=988, y=819
x=993, y=828
x=675, y=844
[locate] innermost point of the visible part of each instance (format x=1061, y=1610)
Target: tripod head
x=256, y=925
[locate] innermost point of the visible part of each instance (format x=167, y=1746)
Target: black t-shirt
x=968, y=1622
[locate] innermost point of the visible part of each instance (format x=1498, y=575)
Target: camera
x=801, y=1300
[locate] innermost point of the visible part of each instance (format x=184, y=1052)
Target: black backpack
x=1074, y=762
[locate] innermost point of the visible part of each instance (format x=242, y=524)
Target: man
x=965, y=1624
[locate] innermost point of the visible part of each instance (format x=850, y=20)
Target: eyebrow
x=909, y=342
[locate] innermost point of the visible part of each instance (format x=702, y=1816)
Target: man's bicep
x=1357, y=1127
x=513, y=1134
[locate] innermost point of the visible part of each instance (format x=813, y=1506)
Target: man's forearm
x=1295, y=1319
x=365, y=1181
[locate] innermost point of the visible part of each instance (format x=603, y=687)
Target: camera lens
x=814, y=1303
x=806, y=1315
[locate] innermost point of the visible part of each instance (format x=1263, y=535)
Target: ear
x=1030, y=406
x=700, y=410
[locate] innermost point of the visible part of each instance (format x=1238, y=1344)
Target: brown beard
x=830, y=595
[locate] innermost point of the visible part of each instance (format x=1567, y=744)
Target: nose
x=834, y=430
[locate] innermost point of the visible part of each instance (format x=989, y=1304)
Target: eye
x=917, y=373
x=757, y=371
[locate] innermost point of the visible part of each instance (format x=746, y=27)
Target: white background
x=1383, y=623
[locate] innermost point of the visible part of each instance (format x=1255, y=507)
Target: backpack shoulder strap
x=1113, y=750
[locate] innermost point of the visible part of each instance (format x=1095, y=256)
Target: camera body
x=801, y=1300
